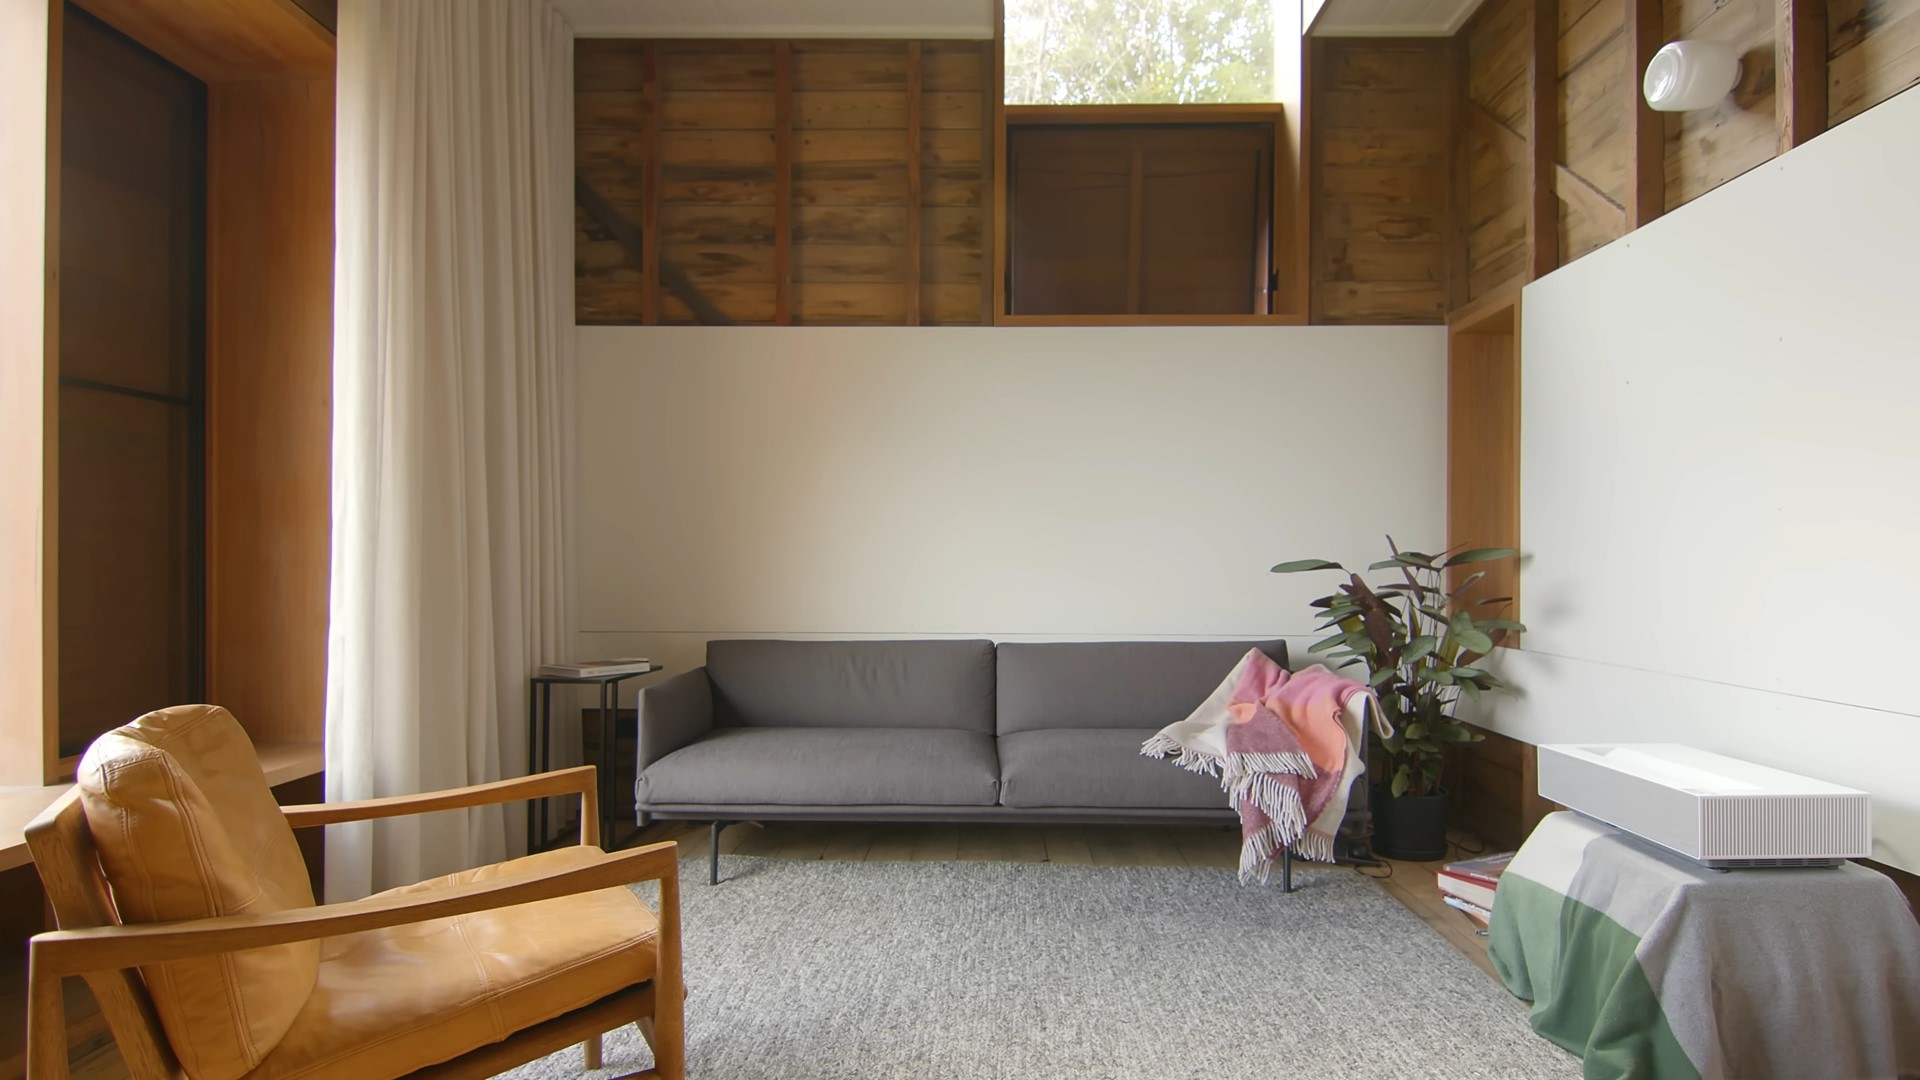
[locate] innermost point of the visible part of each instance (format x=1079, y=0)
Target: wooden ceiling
x=920, y=19
x=1391, y=18
x=221, y=41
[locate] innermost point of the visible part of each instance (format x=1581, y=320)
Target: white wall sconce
x=1688, y=75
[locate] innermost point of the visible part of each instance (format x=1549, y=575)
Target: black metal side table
x=539, y=744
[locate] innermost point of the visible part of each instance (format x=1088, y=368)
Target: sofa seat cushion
x=390, y=1001
x=793, y=766
x=1097, y=768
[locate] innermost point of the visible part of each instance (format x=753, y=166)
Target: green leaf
x=1326, y=643
x=1474, y=641
x=1467, y=672
x=1435, y=614
x=1402, y=779
x=1475, y=555
x=1493, y=600
x=1468, y=582
x=1382, y=676
x=1460, y=621
x=1432, y=766
x=1472, y=689
x=1416, y=730
x=1500, y=624
x=1348, y=664
x=1299, y=565
x=1419, y=648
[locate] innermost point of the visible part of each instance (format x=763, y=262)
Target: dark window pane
x=131, y=315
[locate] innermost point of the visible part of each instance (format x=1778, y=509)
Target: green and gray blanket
x=1649, y=965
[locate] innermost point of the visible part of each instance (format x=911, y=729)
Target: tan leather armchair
x=183, y=900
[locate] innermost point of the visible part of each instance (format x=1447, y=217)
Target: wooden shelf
x=288, y=761
x=281, y=761
x=18, y=806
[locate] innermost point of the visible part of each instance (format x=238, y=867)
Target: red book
x=1474, y=880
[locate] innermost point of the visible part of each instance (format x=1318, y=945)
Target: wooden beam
x=997, y=87
x=1572, y=188
x=30, y=46
x=1543, y=84
x=990, y=126
x=648, y=249
x=1800, y=70
x=782, y=183
x=638, y=252
x=915, y=267
x=1460, y=110
x=1310, y=176
x=1647, y=130
x=1136, y=229
x=1489, y=125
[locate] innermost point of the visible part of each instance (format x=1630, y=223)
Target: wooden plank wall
x=821, y=182
x=1873, y=53
x=1596, y=99
x=1494, y=49
x=1616, y=165
x=1380, y=145
x=1712, y=146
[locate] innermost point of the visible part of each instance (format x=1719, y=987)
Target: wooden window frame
x=1021, y=116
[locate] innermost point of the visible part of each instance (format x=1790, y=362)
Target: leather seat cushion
x=1098, y=768
x=390, y=1001
x=186, y=828
x=792, y=766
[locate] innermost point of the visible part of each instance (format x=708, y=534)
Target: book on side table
x=594, y=669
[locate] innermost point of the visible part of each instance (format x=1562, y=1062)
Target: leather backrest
x=1112, y=684
x=186, y=828
x=918, y=684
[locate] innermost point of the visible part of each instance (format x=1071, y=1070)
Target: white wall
x=1721, y=477
x=1006, y=483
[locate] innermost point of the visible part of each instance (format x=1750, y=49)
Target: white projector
x=1720, y=811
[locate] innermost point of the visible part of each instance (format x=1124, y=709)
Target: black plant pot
x=1410, y=827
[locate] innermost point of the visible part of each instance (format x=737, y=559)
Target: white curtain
x=452, y=398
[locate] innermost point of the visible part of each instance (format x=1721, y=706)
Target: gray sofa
x=931, y=731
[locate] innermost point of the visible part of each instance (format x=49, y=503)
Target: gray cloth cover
x=863, y=684
x=673, y=713
x=1098, y=768
x=1113, y=684
x=828, y=767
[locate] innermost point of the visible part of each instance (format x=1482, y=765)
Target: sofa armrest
x=673, y=713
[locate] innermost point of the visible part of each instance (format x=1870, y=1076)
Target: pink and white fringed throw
x=1285, y=747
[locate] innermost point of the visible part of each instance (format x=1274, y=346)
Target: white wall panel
x=1005, y=483
x=1721, y=474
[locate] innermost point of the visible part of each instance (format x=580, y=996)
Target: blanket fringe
x=1267, y=782
x=1191, y=760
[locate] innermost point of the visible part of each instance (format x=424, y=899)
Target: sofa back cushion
x=1113, y=684
x=186, y=828
x=916, y=684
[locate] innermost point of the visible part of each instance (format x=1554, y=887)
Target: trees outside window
x=1138, y=52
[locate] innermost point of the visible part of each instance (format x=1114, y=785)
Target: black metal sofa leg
x=1286, y=870
x=713, y=853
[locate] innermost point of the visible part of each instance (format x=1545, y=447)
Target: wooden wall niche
x=1379, y=146
x=805, y=182
x=268, y=361
x=1494, y=790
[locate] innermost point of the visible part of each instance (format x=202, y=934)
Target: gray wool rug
x=1037, y=971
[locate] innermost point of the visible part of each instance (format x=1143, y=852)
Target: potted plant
x=1421, y=644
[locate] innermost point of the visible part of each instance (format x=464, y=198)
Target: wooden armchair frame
x=93, y=944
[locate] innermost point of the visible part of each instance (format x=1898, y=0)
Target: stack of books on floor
x=1468, y=886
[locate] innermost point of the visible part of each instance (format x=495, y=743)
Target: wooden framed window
x=1141, y=214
